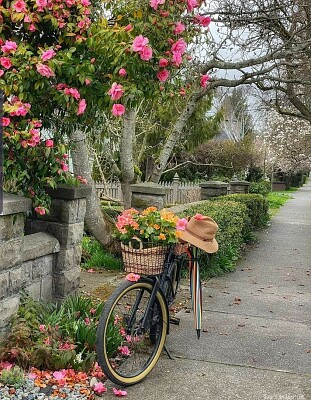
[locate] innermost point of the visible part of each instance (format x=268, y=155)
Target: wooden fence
x=178, y=193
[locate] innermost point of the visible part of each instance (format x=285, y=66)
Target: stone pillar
x=148, y=194
x=278, y=186
x=11, y=237
x=66, y=222
x=213, y=189
x=240, y=187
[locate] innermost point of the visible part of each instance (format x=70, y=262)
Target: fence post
x=176, y=181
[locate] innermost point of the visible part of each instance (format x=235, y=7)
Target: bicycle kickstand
x=168, y=353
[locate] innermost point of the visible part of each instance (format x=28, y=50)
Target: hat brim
x=209, y=247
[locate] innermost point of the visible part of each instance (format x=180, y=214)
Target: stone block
x=38, y=245
x=70, y=193
x=66, y=283
x=239, y=187
x=42, y=267
x=213, y=189
x=11, y=226
x=8, y=307
x=19, y=278
x=34, y=290
x=4, y=284
x=68, y=259
x=13, y=204
x=46, y=288
x=10, y=253
x=278, y=186
x=68, y=211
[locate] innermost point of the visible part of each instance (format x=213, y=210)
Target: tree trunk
x=126, y=155
x=99, y=226
x=173, y=137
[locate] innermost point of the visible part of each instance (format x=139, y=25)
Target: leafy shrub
x=12, y=377
x=234, y=224
x=257, y=207
x=262, y=187
x=95, y=256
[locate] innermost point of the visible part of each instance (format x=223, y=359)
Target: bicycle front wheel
x=127, y=349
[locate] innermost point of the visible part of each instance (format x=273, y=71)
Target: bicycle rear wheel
x=126, y=350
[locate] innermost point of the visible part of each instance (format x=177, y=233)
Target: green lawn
x=278, y=199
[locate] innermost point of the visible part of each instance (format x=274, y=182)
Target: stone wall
x=46, y=261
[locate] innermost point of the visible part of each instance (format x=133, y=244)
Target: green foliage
x=95, y=256
x=261, y=187
x=277, y=200
x=257, y=207
x=234, y=223
x=13, y=377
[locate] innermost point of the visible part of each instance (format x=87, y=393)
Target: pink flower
x=163, y=62
x=203, y=20
x=177, y=58
x=118, y=110
x=32, y=375
x=19, y=6
x=199, y=216
x=191, y=4
x=119, y=392
x=5, y=365
x=81, y=107
x=122, y=72
x=72, y=92
x=41, y=211
x=44, y=70
x=5, y=62
x=139, y=43
x=65, y=167
x=59, y=375
x=146, y=53
x=5, y=121
x=85, y=3
x=181, y=224
x=41, y=4
x=27, y=18
x=48, y=54
x=203, y=80
x=49, y=143
x=155, y=3
x=1, y=72
x=87, y=81
x=99, y=388
x=92, y=311
x=41, y=328
x=116, y=91
x=128, y=28
x=9, y=47
x=132, y=277
x=163, y=75
x=32, y=28
x=179, y=47
x=179, y=28
x=87, y=321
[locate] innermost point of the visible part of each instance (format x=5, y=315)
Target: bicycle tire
x=118, y=367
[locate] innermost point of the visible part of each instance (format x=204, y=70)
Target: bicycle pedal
x=174, y=320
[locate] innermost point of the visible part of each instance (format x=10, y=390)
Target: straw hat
x=200, y=231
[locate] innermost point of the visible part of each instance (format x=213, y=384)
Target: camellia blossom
x=5, y=62
x=9, y=47
x=139, y=43
x=48, y=54
x=163, y=62
x=5, y=121
x=203, y=20
x=146, y=53
x=199, y=216
x=181, y=224
x=1, y=72
x=99, y=388
x=163, y=75
x=44, y=70
x=49, y=143
x=132, y=277
x=72, y=92
x=122, y=72
x=203, y=80
x=179, y=47
x=41, y=4
x=191, y=4
x=40, y=210
x=179, y=28
x=116, y=91
x=19, y=6
x=155, y=3
x=118, y=110
x=119, y=392
x=177, y=58
x=81, y=107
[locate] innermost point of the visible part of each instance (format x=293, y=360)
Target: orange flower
x=162, y=236
x=149, y=210
x=141, y=231
x=156, y=226
x=178, y=234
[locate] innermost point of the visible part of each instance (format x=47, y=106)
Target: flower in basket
x=150, y=226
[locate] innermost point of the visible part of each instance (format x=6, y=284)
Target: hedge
x=262, y=187
x=233, y=221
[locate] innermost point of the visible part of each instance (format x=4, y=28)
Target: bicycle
x=134, y=323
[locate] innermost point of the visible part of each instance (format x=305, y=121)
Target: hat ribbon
x=197, y=236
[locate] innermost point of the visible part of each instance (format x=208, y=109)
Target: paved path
x=256, y=339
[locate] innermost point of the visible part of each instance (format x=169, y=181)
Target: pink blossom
x=199, y=216
x=99, y=388
x=5, y=365
x=181, y=224
x=27, y=18
x=65, y=167
x=163, y=75
x=116, y=91
x=87, y=81
x=119, y=392
x=85, y=3
x=90, y=271
x=203, y=20
x=179, y=47
x=92, y=311
x=32, y=375
x=41, y=4
x=122, y=72
x=177, y=58
x=132, y=277
x=163, y=62
x=5, y=121
x=179, y=28
x=118, y=110
x=19, y=6
x=191, y=5
x=48, y=54
x=128, y=28
x=5, y=62
x=139, y=43
x=49, y=143
x=124, y=350
x=204, y=79
x=1, y=72
x=155, y=3
x=87, y=321
x=146, y=53
x=41, y=328
x=9, y=47
x=32, y=28
x=81, y=107
x=44, y=70
x=59, y=375
x=41, y=211
x=72, y=92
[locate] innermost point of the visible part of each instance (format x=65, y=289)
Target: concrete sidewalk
x=256, y=338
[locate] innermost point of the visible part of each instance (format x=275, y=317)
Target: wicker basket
x=149, y=261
